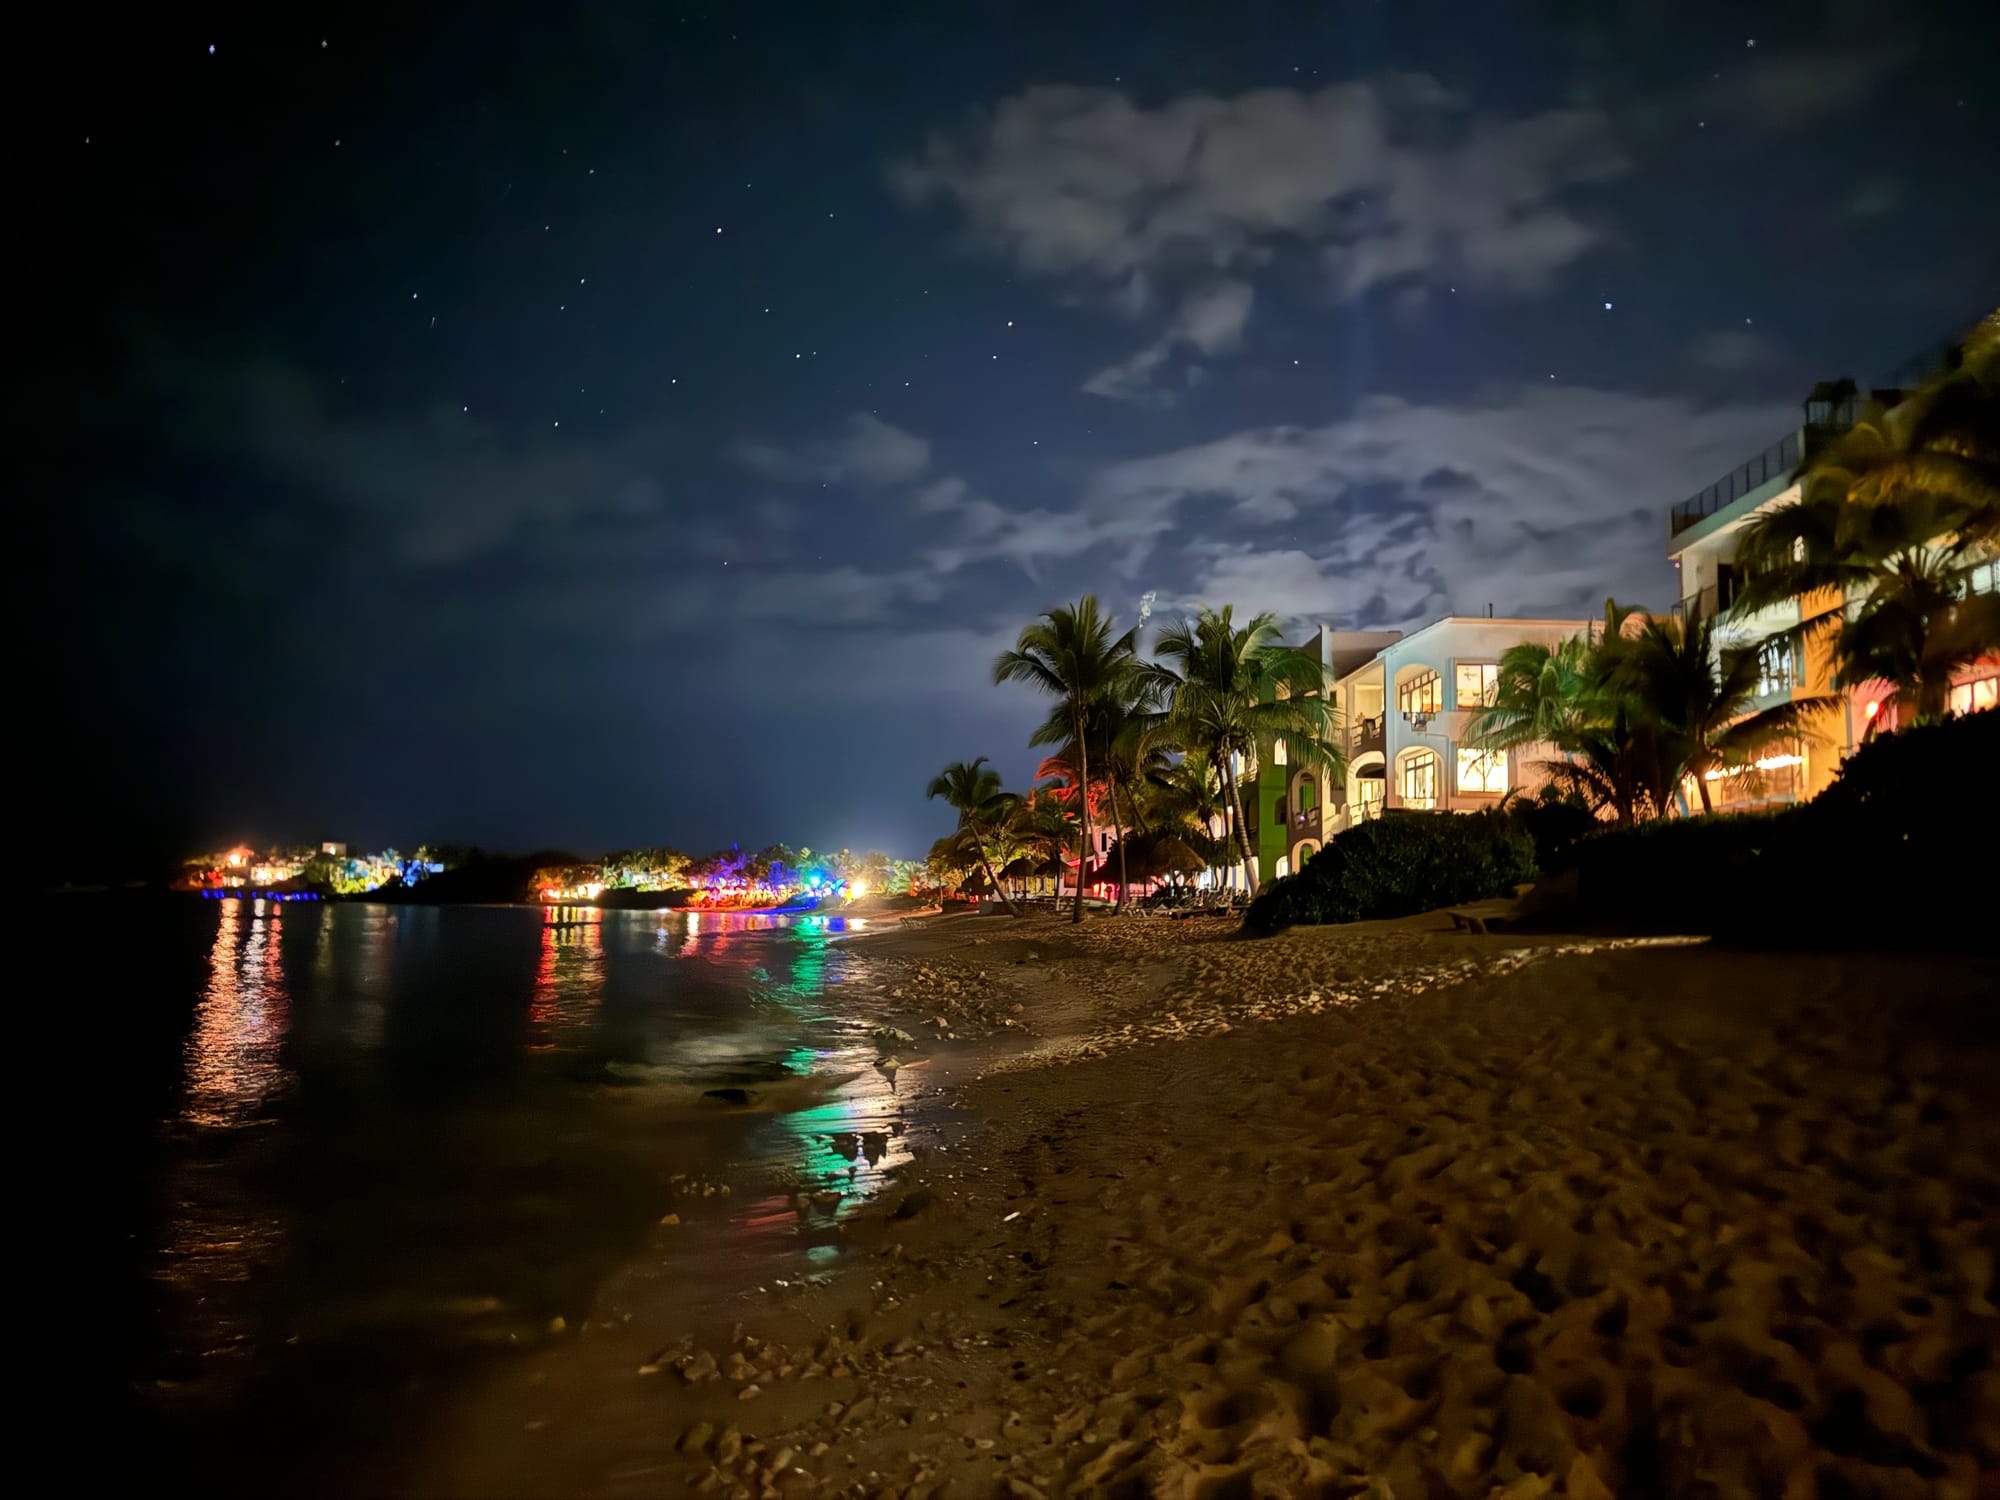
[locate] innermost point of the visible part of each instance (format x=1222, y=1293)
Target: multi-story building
x=1404, y=702
x=1794, y=638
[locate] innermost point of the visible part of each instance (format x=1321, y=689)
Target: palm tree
x=1228, y=691
x=1892, y=513
x=1693, y=697
x=974, y=790
x=1071, y=654
x=1608, y=767
x=1539, y=697
x=1123, y=746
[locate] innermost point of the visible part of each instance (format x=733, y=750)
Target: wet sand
x=1373, y=1211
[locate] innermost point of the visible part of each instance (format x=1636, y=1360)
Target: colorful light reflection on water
x=390, y=1115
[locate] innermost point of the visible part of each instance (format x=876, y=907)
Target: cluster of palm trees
x=1638, y=708
x=1876, y=552
x=1888, y=521
x=1155, y=744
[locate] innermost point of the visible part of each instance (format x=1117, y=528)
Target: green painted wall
x=1271, y=827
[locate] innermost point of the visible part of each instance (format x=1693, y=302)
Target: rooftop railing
x=1776, y=461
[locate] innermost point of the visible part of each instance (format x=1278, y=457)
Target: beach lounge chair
x=1530, y=899
x=1482, y=915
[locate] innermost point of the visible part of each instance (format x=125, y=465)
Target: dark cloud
x=868, y=451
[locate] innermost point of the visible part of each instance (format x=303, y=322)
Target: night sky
x=645, y=426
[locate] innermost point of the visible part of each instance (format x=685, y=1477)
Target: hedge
x=1396, y=865
x=1898, y=852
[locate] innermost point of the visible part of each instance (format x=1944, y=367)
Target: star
x=559, y=420
x=1607, y=307
x=718, y=229
x=1751, y=42
x=413, y=296
x=1010, y=322
x=211, y=49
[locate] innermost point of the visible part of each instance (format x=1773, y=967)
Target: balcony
x=1367, y=735
x=1305, y=823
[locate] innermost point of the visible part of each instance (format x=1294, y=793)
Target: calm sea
x=348, y=1153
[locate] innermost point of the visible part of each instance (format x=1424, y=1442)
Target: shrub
x=1895, y=853
x=1396, y=865
x=1555, y=820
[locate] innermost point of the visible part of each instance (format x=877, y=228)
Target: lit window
x=1420, y=777
x=1482, y=770
x=1973, y=697
x=1983, y=579
x=1478, y=683
x=1278, y=753
x=1422, y=694
x=1778, y=669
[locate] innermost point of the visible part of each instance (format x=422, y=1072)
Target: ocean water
x=350, y=1154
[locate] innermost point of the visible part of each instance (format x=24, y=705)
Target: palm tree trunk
x=1701, y=785
x=1242, y=826
x=998, y=889
x=1083, y=786
x=1115, y=818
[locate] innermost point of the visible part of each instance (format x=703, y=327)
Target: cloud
x=1210, y=321
x=1874, y=198
x=868, y=452
x=432, y=491
x=1380, y=179
x=1733, y=349
x=1792, y=92
x=1534, y=501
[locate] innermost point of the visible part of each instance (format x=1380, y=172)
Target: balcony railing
x=1776, y=461
x=1368, y=735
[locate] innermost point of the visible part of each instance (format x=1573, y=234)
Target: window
x=1778, y=666
x=1422, y=694
x=1983, y=578
x=1308, y=796
x=1277, y=752
x=1482, y=770
x=1973, y=697
x=1369, y=795
x=1478, y=683
x=1420, y=777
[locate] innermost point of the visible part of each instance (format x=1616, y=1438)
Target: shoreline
x=1374, y=1203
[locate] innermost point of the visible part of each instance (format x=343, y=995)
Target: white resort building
x=1404, y=702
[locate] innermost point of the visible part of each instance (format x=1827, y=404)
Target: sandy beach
x=1372, y=1211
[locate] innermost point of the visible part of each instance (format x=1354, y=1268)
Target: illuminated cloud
x=1379, y=179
